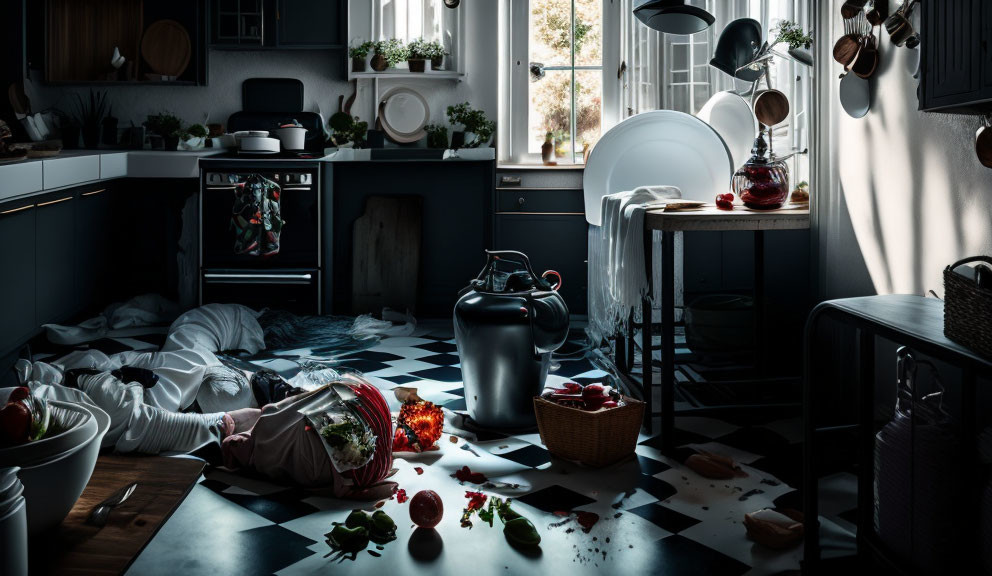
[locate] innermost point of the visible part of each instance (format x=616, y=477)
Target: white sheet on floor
x=143, y=310
x=617, y=277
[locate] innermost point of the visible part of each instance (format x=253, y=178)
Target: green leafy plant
x=361, y=50
x=196, y=131
x=793, y=35
x=90, y=113
x=437, y=136
x=392, y=50
x=472, y=120
x=419, y=49
x=348, y=129
x=164, y=124
x=435, y=49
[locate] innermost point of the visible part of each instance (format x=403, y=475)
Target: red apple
x=594, y=395
x=15, y=423
x=426, y=509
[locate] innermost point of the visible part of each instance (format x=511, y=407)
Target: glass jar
x=762, y=183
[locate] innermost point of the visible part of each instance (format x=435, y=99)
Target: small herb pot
x=171, y=142
x=358, y=64
x=379, y=63
x=417, y=65
x=437, y=63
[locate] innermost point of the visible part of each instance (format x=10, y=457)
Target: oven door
x=295, y=290
x=260, y=220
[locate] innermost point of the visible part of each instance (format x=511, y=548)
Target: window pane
x=551, y=32
x=588, y=32
x=550, y=109
x=588, y=108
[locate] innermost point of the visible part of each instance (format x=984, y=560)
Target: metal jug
x=507, y=324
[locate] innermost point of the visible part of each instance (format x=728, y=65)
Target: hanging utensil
x=771, y=107
x=846, y=48
x=878, y=13
x=867, y=61
x=899, y=27
x=983, y=142
x=855, y=95
x=851, y=8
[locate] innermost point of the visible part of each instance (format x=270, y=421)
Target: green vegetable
x=348, y=539
x=521, y=532
x=383, y=528
x=197, y=131
x=357, y=518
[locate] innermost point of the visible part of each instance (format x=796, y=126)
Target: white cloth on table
x=618, y=280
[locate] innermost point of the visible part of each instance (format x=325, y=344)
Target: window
x=558, y=77
x=407, y=20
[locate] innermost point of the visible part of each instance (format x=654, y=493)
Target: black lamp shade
x=673, y=16
x=737, y=46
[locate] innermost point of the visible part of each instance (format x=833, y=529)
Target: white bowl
x=292, y=137
x=52, y=487
x=8, y=502
x=38, y=451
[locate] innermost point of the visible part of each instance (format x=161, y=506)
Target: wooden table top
x=80, y=548
x=708, y=217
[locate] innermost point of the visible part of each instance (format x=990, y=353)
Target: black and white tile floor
x=656, y=515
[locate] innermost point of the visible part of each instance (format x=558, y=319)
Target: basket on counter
x=968, y=309
x=592, y=438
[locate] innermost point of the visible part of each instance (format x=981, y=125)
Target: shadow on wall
x=917, y=197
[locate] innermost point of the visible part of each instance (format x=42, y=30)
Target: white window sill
x=509, y=166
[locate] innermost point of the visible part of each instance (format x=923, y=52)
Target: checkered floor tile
x=655, y=515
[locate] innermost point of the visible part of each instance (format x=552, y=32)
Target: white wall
x=320, y=72
x=903, y=194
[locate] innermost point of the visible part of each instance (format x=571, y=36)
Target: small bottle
x=548, y=149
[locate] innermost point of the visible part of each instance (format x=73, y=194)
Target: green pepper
x=357, y=518
x=348, y=539
x=521, y=532
x=383, y=529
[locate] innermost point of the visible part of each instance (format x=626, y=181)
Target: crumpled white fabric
x=143, y=310
x=216, y=328
x=617, y=278
x=139, y=422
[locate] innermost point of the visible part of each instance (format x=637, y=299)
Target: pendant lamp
x=673, y=16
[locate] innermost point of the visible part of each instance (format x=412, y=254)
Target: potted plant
x=194, y=136
x=418, y=53
x=437, y=136
x=348, y=130
x=169, y=127
x=477, y=128
x=387, y=53
x=89, y=117
x=359, y=56
x=436, y=53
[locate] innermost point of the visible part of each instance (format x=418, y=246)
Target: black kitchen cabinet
x=17, y=260
x=94, y=247
x=55, y=257
x=310, y=23
x=279, y=24
x=956, y=58
x=551, y=242
x=456, y=224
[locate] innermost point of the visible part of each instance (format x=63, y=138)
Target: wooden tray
x=76, y=547
x=166, y=48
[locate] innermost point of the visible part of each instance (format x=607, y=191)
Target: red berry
x=15, y=423
x=426, y=509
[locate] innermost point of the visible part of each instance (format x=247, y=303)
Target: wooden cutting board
x=166, y=48
x=386, y=255
x=79, y=548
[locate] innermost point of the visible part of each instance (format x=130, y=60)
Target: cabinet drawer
x=540, y=201
x=113, y=166
x=23, y=178
x=60, y=172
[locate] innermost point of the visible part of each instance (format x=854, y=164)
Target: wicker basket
x=968, y=310
x=592, y=438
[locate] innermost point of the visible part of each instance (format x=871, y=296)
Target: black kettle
x=508, y=321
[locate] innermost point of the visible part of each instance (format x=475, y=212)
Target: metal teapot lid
x=520, y=278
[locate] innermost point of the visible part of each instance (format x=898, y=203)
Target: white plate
x=855, y=95
x=731, y=117
x=657, y=148
x=404, y=113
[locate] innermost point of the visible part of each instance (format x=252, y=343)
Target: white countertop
x=75, y=167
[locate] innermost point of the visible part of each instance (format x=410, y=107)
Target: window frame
x=514, y=74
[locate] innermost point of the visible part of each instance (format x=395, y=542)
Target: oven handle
x=222, y=278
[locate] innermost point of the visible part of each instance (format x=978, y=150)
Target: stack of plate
x=13, y=525
x=55, y=469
